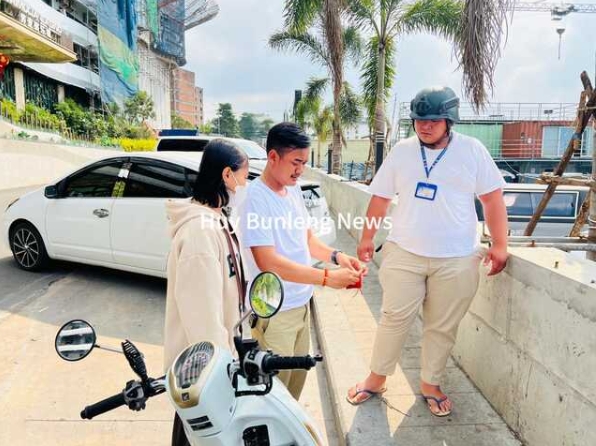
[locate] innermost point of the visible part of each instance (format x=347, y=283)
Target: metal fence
x=32, y=122
x=353, y=171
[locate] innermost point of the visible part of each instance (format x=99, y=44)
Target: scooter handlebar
x=103, y=406
x=274, y=362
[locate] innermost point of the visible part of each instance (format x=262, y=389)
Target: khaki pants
x=287, y=334
x=444, y=287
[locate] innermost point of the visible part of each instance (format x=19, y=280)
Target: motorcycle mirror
x=266, y=295
x=75, y=340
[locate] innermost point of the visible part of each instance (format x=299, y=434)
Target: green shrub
x=9, y=110
x=74, y=121
x=106, y=141
x=40, y=117
x=77, y=119
x=180, y=123
x=133, y=131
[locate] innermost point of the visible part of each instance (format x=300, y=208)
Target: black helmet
x=435, y=103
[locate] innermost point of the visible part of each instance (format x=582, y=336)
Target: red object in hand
x=357, y=284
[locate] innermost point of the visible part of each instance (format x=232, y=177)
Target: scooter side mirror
x=266, y=294
x=75, y=340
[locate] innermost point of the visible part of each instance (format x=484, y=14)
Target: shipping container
x=490, y=134
x=524, y=139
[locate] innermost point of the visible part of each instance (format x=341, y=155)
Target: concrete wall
x=529, y=344
x=347, y=198
x=26, y=163
x=529, y=339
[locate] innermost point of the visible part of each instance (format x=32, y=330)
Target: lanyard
x=427, y=169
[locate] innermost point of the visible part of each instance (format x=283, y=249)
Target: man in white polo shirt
x=431, y=257
x=274, y=227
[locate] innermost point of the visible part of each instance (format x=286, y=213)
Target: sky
x=233, y=62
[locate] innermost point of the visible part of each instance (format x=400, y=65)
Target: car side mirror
x=51, y=192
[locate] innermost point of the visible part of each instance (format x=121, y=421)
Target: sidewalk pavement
x=346, y=322
x=41, y=395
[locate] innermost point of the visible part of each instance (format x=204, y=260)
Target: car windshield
x=181, y=145
x=252, y=149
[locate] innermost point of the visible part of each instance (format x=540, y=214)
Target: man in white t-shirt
x=275, y=230
x=431, y=257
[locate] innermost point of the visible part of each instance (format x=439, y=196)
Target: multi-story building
x=108, y=50
x=53, y=47
x=187, y=99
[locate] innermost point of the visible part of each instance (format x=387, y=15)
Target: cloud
x=234, y=64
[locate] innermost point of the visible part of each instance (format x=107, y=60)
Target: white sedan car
x=111, y=213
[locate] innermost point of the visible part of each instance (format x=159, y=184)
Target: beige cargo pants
x=443, y=287
x=287, y=334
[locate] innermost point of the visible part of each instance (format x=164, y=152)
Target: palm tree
x=370, y=87
x=321, y=121
x=311, y=114
x=323, y=126
x=327, y=47
x=474, y=26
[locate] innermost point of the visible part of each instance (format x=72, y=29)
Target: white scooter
x=221, y=401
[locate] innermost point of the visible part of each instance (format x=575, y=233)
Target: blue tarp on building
x=119, y=64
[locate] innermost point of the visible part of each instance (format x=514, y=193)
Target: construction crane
x=556, y=9
x=557, y=12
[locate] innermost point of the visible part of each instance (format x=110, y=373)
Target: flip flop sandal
x=438, y=401
x=369, y=394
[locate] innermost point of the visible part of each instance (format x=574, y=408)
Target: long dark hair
x=210, y=188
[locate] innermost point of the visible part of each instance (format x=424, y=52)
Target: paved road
x=41, y=396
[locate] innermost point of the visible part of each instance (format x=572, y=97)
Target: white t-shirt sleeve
x=383, y=184
x=488, y=176
x=252, y=213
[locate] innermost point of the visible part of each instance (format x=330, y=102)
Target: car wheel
x=28, y=248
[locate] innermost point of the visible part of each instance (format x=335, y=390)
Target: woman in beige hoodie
x=205, y=276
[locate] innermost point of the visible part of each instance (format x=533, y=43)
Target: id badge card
x=426, y=191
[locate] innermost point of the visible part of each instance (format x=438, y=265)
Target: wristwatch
x=334, y=256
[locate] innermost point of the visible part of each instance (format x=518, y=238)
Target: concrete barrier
x=529, y=344
x=529, y=340
x=347, y=199
x=29, y=163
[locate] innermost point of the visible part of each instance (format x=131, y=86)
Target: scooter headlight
x=191, y=363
